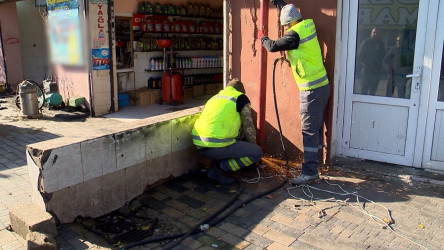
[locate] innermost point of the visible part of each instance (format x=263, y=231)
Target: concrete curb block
x=29, y=218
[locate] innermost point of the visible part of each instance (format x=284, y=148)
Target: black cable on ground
x=194, y=230
x=198, y=228
x=276, y=110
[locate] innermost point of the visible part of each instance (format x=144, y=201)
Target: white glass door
x=383, y=78
x=433, y=155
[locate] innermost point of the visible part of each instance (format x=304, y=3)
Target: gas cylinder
x=172, y=92
x=29, y=103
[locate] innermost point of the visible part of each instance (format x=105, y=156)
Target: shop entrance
x=386, y=80
x=433, y=155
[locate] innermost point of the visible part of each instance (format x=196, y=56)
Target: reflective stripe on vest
x=219, y=122
x=308, y=38
x=306, y=61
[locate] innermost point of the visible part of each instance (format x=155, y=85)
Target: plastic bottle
x=192, y=26
x=149, y=25
x=141, y=8
x=149, y=8
x=166, y=9
x=184, y=25
x=183, y=10
x=156, y=64
x=172, y=10
x=158, y=25
x=166, y=26
x=196, y=9
x=177, y=26
x=158, y=8
x=147, y=46
x=190, y=9
x=152, y=64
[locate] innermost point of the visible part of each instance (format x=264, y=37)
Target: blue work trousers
x=235, y=156
x=313, y=103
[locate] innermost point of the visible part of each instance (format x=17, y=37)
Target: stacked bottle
x=197, y=79
x=157, y=63
x=199, y=62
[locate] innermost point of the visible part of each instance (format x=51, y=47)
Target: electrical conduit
x=262, y=78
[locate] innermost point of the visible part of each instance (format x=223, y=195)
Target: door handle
x=417, y=74
x=412, y=75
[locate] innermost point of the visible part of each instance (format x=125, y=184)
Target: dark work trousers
x=313, y=103
x=234, y=156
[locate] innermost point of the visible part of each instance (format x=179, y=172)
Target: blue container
x=123, y=100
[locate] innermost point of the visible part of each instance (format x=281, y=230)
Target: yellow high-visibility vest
x=306, y=61
x=219, y=123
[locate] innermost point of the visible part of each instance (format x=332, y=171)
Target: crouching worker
x=216, y=133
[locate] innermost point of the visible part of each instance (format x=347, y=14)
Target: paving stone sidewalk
x=284, y=219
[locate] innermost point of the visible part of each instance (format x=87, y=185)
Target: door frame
x=3, y=60
x=346, y=49
x=429, y=103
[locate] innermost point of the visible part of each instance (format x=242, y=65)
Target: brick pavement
x=271, y=222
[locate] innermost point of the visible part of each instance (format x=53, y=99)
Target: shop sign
x=99, y=25
x=101, y=59
x=390, y=14
x=101, y=21
x=64, y=32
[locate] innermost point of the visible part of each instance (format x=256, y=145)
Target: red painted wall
x=11, y=44
x=244, y=65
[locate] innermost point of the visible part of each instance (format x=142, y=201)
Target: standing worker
x=305, y=57
x=216, y=133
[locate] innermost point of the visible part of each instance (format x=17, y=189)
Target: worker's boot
x=217, y=174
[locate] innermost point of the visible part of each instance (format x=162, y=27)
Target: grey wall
x=32, y=40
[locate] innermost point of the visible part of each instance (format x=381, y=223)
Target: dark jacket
x=288, y=41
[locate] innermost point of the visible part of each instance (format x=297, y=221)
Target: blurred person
x=398, y=62
x=370, y=57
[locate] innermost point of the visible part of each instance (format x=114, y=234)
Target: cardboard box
x=143, y=98
x=188, y=92
x=155, y=96
x=198, y=90
x=139, y=97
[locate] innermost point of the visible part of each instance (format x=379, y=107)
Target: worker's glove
x=260, y=34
